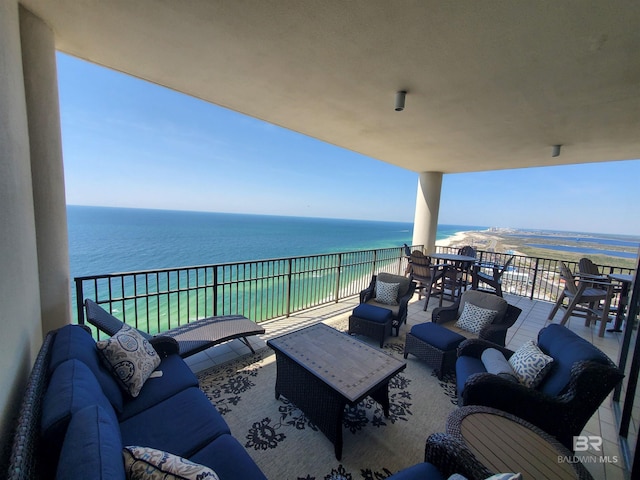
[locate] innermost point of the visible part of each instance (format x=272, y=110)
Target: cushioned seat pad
x=228, y=459
x=181, y=425
x=420, y=471
x=466, y=366
x=176, y=377
x=372, y=313
x=437, y=336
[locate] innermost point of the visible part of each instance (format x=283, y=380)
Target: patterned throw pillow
x=387, y=293
x=130, y=357
x=530, y=364
x=474, y=318
x=144, y=463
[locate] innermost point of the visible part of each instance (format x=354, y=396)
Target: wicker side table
x=371, y=321
x=434, y=344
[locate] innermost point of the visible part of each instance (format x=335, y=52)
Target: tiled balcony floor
x=533, y=318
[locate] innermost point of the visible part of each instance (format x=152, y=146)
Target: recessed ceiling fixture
x=556, y=151
x=400, y=100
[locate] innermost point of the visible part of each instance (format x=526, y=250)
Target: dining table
x=448, y=261
x=625, y=280
x=452, y=258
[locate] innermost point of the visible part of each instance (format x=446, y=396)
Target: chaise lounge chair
x=192, y=337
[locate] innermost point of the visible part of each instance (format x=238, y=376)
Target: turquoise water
x=109, y=240
x=116, y=240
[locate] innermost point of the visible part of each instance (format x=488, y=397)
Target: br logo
x=582, y=443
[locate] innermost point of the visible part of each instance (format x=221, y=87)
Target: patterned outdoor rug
x=286, y=446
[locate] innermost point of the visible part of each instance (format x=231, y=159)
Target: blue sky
x=130, y=143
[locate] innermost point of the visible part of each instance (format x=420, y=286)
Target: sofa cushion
x=71, y=388
x=228, y=459
x=530, y=364
x=92, y=447
x=181, y=424
x=131, y=358
x=176, y=376
x=73, y=341
x=404, y=282
x=387, y=293
x=566, y=348
x=473, y=318
x=144, y=463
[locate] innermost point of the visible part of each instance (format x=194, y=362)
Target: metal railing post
x=375, y=260
x=215, y=291
x=289, y=273
x=339, y=267
x=535, y=278
x=80, y=300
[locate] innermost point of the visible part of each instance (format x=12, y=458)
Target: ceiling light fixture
x=556, y=151
x=400, y=100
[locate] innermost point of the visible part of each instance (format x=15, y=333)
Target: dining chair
x=494, y=280
x=584, y=298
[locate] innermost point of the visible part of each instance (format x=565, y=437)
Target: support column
x=425, y=224
x=47, y=170
x=20, y=326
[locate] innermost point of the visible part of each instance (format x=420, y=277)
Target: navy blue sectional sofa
x=75, y=419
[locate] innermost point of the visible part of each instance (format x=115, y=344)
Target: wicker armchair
x=496, y=331
x=580, y=379
x=405, y=292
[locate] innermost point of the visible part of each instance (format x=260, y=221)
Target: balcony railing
x=156, y=300
x=534, y=277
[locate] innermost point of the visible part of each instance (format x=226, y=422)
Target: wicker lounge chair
x=192, y=337
x=405, y=292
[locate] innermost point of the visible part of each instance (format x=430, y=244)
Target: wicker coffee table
x=321, y=370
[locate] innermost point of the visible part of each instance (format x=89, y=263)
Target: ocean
x=111, y=240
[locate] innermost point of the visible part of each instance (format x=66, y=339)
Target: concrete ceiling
x=491, y=84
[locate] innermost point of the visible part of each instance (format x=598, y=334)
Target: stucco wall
x=47, y=170
x=20, y=325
